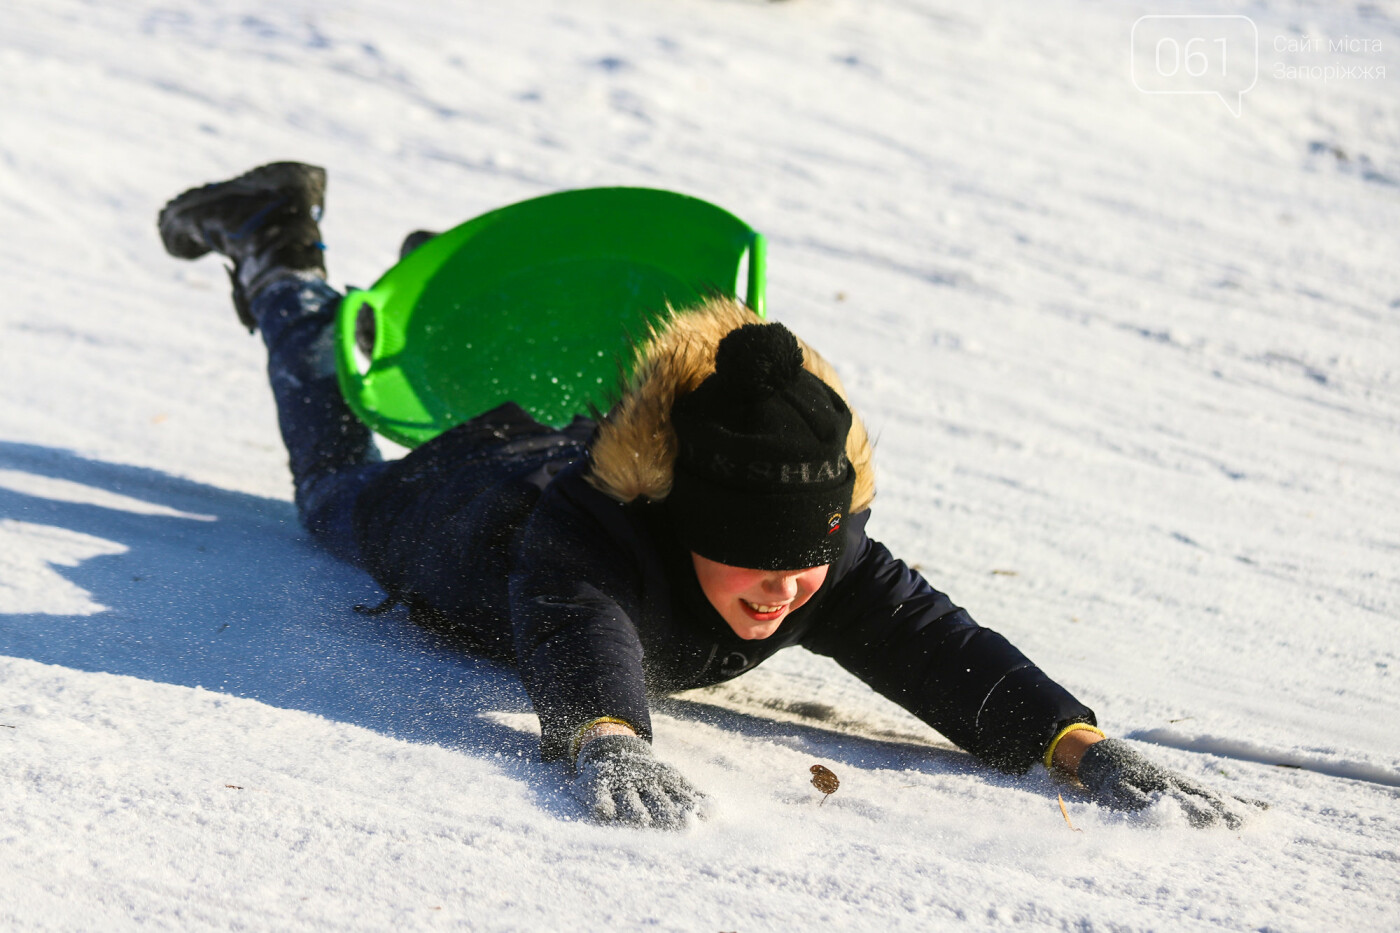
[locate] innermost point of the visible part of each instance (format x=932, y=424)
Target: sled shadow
x=836, y=743
x=129, y=570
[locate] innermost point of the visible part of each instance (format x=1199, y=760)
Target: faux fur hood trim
x=634, y=451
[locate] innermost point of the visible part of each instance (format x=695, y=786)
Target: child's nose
x=783, y=585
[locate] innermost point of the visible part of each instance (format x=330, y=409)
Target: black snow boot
x=414, y=240
x=264, y=220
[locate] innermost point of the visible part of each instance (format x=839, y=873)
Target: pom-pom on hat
x=761, y=479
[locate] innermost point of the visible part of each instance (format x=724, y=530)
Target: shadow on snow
x=223, y=590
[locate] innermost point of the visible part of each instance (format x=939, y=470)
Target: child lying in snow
x=716, y=515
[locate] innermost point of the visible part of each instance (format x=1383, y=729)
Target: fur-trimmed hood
x=634, y=452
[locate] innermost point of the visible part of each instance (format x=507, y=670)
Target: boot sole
x=293, y=177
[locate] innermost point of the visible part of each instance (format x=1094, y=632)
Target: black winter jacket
x=493, y=529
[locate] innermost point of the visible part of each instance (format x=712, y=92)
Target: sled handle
x=354, y=381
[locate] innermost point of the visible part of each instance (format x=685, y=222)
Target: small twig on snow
x=1065, y=813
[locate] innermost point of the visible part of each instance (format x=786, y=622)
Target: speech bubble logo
x=1189, y=54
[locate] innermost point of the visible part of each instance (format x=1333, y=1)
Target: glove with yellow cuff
x=620, y=780
x=1120, y=778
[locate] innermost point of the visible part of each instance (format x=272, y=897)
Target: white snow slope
x=1133, y=364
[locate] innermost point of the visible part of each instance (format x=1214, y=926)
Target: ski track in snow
x=1130, y=361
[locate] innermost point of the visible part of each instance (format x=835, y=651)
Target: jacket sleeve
x=884, y=623
x=573, y=602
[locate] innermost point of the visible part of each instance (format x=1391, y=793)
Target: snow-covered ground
x=1133, y=364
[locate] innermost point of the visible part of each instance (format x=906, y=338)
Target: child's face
x=755, y=602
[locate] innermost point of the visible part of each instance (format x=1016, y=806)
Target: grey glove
x=619, y=779
x=1119, y=777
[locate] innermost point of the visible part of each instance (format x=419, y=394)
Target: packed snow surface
x=1133, y=364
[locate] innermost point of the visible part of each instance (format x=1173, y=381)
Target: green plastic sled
x=534, y=303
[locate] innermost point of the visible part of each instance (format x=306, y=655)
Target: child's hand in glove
x=1121, y=778
x=619, y=779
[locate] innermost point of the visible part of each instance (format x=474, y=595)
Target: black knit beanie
x=762, y=480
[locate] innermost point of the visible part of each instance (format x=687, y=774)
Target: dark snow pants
x=437, y=528
x=331, y=452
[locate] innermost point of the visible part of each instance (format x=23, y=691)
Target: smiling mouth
x=764, y=612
